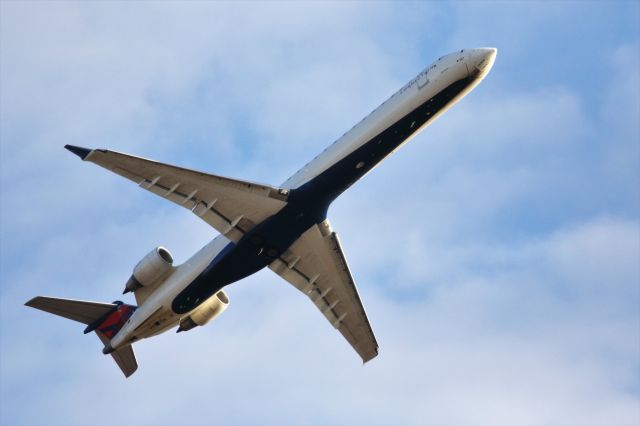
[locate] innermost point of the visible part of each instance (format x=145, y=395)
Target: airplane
x=284, y=228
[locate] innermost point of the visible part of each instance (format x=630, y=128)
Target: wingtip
x=32, y=301
x=78, y=150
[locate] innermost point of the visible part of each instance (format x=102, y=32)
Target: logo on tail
x=110, y=323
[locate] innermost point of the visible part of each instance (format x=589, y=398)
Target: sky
x=497, y=254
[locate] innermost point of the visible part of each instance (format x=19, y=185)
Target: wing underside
x=315, y=264
x=230, y=206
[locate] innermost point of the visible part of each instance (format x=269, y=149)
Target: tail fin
x=106, y=319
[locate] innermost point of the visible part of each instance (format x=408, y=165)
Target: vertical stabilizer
x=106, y=319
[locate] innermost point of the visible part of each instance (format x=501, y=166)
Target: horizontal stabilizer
x=124, y=357
x=76, y=310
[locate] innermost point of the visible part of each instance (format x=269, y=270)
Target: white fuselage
x=429, y=82
x=155, y=314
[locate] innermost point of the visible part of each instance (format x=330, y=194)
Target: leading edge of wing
x=83, y=153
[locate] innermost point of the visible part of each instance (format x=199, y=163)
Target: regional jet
x=284, y=228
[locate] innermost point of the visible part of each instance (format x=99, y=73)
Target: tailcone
x=108, y=349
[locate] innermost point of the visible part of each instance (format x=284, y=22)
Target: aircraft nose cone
x=482, y=59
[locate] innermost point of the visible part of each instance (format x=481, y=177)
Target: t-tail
x=105, y=319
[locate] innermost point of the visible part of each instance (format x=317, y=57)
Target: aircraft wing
x=230, y=206
x=315, y=265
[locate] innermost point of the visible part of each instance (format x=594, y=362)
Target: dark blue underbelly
x=257, y=249
x=306, y=207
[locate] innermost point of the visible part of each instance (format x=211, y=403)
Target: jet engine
x=157, y=264
x=211, y=308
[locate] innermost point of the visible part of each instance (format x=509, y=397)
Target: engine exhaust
x=186, y=325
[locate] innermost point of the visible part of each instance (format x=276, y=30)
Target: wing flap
x=316, y=266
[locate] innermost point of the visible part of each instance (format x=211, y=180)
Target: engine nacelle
x=211, y=308
x=156, y=265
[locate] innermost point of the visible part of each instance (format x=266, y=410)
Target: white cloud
x=458, y=357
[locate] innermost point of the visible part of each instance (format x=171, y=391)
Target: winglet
x=78, y=150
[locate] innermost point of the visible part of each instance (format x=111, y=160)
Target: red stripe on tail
x=116, y=320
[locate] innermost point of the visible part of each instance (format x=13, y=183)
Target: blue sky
x=497, y=254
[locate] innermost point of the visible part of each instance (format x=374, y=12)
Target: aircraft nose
x=482, y=59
